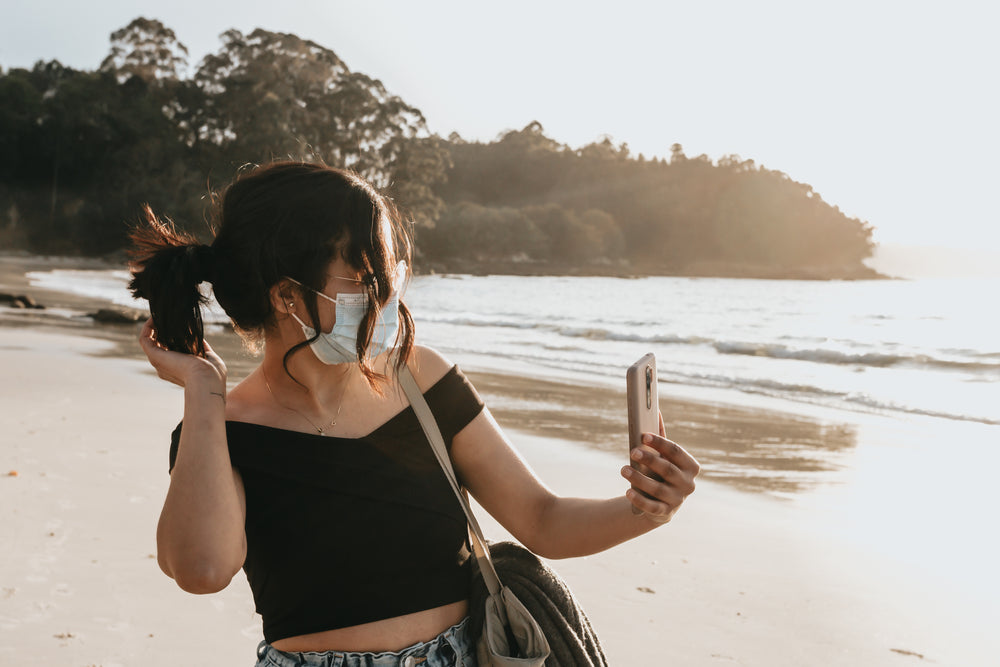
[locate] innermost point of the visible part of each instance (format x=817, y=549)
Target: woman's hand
x=180, y=368
x=660, y=498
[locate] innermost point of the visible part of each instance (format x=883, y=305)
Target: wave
x=976, y=362
x=111, y=286
x=888, y=406
x=817, y=396
x=875, y=359
x=567, y=330
x=796, y=392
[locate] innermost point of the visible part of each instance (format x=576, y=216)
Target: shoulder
x=428, y=366
x=248, y=400
x=449, y=394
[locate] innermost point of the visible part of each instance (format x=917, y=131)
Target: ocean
x=893, y=347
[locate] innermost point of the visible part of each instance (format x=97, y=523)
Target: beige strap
x=433, y=433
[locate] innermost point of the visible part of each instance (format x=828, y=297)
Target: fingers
x=670, y=451
x=171, y=366
x=146, y=335
x=664, y=478
x=655, y=466
x=147, y=340
x=673, y=487
x=215, y=359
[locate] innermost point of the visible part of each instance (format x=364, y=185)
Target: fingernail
x=637, y=454
x=627, y=471
x=647, y=438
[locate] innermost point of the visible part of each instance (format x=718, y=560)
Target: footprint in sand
x=902, y=651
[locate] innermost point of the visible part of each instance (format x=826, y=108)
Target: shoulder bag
x=510, y=634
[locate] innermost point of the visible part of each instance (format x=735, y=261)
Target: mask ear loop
x=291, y=305
x=301, y=323
x=316, y=292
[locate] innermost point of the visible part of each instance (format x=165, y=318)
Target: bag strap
x=433, y=433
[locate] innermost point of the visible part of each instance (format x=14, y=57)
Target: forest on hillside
x=82, y=150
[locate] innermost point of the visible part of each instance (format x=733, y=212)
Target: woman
x=312, y=474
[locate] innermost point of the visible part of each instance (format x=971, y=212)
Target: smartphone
x=643, y=402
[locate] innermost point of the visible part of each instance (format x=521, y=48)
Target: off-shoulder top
x=344, y=531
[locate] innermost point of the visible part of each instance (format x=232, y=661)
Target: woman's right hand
x=180, y=368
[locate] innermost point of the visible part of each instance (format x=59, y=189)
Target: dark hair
x=282, y=220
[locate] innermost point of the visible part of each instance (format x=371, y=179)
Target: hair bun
x=203, y=261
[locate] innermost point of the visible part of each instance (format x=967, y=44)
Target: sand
x=744, y=575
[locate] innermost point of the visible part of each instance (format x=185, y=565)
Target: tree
x=419, y=166
x=677, y=154
x=20, y=112
x=276, y=95
x=147, y=49
x=468, y=231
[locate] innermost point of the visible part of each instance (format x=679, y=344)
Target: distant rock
x=19, y=301
x=119, y=315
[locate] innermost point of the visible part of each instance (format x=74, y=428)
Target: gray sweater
x=571, y=638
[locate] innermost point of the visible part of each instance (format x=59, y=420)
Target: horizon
x=885, y=118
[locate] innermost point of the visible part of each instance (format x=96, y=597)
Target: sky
x=890, y=110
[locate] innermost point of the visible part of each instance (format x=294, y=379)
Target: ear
x=285, y=297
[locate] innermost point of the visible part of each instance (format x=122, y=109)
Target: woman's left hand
x=667, y=476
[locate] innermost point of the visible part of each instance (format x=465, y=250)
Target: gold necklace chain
x=319, y=430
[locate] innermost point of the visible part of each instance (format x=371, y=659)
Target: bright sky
x=890, y=110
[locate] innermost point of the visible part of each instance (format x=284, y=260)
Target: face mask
x=340, y=345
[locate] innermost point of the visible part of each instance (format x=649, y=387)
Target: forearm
x=200, y=536
x=571, y=527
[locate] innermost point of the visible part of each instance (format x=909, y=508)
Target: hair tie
x=203, y=260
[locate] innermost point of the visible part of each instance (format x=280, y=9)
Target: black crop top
x=344, y=531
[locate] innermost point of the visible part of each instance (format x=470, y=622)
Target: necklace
x=319, y=429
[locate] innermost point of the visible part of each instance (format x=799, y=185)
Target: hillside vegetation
x=84, y=149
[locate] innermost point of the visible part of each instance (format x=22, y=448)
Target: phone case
x=643, y=401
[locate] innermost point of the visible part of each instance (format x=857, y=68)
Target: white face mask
x=340, y=345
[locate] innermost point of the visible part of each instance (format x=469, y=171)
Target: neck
x=315, y=384
x=308, y=382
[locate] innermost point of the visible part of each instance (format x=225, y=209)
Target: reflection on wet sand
x=751, y=449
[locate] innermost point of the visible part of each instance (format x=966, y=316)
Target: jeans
x=451, y=648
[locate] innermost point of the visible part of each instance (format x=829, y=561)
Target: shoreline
x=590, y=414
x=700, y=269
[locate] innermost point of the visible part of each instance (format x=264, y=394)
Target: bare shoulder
x=428, y=366
x=247, y=401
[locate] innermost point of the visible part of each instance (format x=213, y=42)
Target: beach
x=885, y=558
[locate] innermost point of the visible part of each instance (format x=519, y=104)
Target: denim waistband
x=453, y=647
